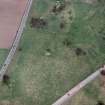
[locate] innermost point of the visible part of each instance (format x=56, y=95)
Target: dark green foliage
x=67, y=42
x=6, y=79
x=58, y=9
x=100, y=103
x=79, y=52
x=37, y=23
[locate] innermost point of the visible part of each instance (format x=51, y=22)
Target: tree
x=6, y=79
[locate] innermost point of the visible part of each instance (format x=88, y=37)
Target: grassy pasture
x=37, y=79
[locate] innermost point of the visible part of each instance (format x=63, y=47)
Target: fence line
x=17, y=39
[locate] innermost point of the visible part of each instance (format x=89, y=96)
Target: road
x=17, y=39
x=78, y=87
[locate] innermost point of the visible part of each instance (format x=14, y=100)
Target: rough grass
x=37, y=79
x=41, y=6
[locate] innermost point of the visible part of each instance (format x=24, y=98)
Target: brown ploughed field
x=11, y=12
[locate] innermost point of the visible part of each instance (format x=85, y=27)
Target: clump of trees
x=80, y=51
x=103, y=72
x=67, y=42
x=20, y=49
x=6, y=79
x=100, y=103
x=59, y=7
x=62, y=25
x=38, y=23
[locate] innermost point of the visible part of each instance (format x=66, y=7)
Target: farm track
x=17, y=39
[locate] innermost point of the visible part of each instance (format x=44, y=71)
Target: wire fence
x=16, y=40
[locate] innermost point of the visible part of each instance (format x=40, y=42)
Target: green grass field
x=38, y=79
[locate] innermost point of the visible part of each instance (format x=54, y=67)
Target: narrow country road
x=77, y=88
x=17, y=39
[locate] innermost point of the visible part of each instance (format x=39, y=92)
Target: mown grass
x=37, y=79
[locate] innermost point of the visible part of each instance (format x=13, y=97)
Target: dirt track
x=10, y=15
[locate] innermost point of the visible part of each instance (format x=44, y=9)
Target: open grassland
x=37, y=78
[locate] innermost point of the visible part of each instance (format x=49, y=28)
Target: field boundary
x=16, y=40
x=78, y=87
